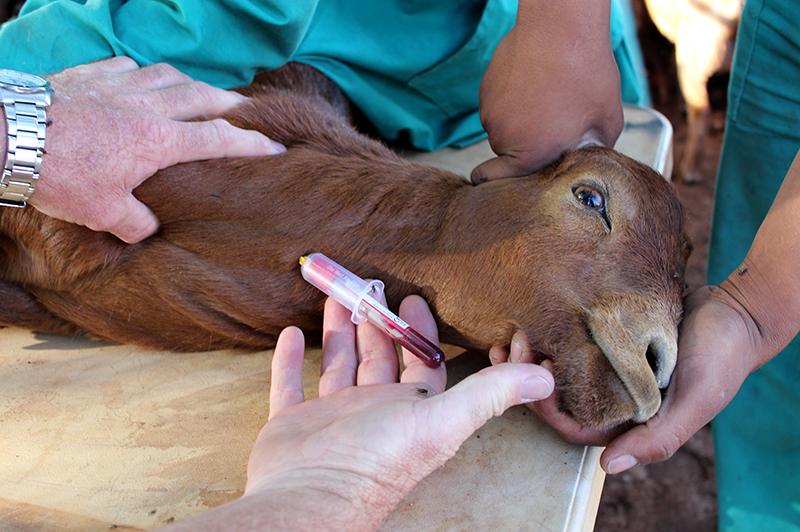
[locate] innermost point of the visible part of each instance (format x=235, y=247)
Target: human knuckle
x=160, y=73
x=202, y=90
x=149, y=138
x=665, y=448
x=104, y=219
x=162, y=69
x=82, y=70
x=224, y=133
x=122, y=61
x=160, y=132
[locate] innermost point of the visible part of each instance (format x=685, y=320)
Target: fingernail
x=534, y=389
x=477, y=177
x=516, y=351
x=496, y=355
x=276, y=147
x=621, y=463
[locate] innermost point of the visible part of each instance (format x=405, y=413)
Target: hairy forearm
x=767, y=284
x=316, y=500
x=274, y=511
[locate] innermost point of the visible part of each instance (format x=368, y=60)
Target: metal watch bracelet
x=26, y=121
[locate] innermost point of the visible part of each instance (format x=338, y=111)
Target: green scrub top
x=757, y=437
x=413, y=67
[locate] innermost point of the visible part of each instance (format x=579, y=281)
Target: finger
x=681, y=415
x=655, y=441
x=498, y=168
x=154, y=77
x=415, y=311
x=377, y=354
x=116, y=65
x=185, y=101
x=286, y=386
x=488, y=393
x=594, y=137
x=113, y=65
x=339, y=361
x=498, y=355
x=213, y=139
x=568, y=429
x=131, y=220
x=520, y=351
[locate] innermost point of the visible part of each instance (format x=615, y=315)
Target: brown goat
x=586, y=257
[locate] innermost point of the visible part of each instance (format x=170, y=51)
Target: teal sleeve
x=413, y=67
x=628, y=54
x=223, y=42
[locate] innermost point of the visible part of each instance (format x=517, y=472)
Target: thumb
x=681, y=415
x=497, y=168
x=471, y=403
x=646, y=444
x=134, y=223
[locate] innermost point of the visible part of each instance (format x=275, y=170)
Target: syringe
x=361, y=297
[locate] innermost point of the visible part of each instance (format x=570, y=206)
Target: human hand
x=715, y=355
x=716, y=347
x=114, y=125
x=350, y=456
x=552, y=84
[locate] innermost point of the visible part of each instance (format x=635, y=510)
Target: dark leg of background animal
x=697, y=119
x=694, y=70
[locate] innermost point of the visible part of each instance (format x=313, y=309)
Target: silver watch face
x=22, y=82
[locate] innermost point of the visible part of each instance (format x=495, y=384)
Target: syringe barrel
x=340, y=284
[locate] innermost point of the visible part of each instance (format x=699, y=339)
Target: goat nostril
x=662, y=355
x=653, y=360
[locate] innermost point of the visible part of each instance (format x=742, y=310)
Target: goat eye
x=590, y=197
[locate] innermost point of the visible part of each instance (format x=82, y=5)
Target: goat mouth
x=638, y=370
x=593, y=390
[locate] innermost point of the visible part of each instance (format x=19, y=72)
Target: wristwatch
x=25, y=99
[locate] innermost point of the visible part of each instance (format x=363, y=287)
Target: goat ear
x=282, y=118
